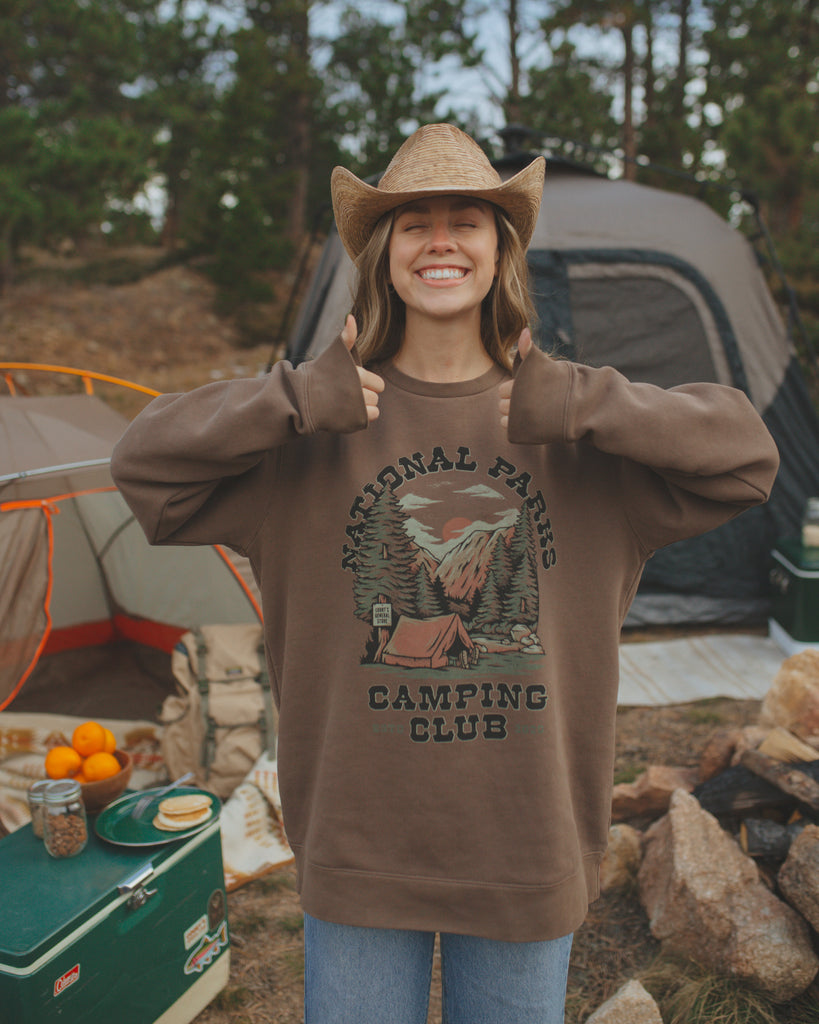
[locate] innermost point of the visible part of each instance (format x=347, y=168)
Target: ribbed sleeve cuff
x=334, y=400
x=540, y=395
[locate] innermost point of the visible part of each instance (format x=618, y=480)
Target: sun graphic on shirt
x=453, y=528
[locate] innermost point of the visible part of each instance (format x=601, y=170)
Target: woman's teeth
x=442, y=274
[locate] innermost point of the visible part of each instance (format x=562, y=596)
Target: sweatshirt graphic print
x=442, y=603
x=444, y=554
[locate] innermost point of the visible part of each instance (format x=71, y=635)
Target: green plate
x=115, y=824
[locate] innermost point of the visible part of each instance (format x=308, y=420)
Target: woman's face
x=443, y=255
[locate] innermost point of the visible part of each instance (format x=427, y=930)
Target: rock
x=793, y=699
x=629, y=1005
x=750, y=738
x=649, y=795
x=798, y=878
x=704, y=899
x=717, y=753
x=621, y=860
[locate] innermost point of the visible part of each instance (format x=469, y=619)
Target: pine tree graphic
x=521, y=597
x=386, y=560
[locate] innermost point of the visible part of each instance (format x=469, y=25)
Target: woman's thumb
x=349, y=332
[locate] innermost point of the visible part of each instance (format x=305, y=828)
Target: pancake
x=176, y=813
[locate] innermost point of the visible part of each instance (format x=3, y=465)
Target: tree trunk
x=681, y=79
x=629, y=139
x=513, y=96
x=650, y=78
x=6, y=257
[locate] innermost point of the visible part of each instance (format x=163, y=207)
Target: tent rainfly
x=657, y=285
x=427, y=643
x=77, y=572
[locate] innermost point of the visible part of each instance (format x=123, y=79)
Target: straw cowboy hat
x=438, y=159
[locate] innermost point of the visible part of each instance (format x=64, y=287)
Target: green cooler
x=132, y=935
x=794, y=621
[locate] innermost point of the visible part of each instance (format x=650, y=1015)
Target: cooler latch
x=134, y=887
x=779, y=579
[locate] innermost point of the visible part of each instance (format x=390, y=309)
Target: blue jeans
x=382, y=976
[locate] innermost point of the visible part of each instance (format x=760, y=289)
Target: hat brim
x=358, y=206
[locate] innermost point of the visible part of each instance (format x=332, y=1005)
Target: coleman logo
x=207, y=951
x=61, y=984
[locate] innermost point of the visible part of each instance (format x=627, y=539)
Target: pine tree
x=521, y=597
x=388, y=70
x=488, y=613
x=762, y=106
x=428, y=600
x=69, y=140
x=385, y=560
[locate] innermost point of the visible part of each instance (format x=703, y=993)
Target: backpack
x=222, y=717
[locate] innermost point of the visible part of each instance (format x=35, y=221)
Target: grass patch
x=247, y=924
x=274, y=883
x=688, y=994
x=292, y=961
x=232, y=998
x=291, y=923
x=628, y=772
x=699, y=714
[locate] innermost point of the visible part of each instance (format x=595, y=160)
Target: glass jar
x=810, y=524
x=65, y=827
x=36, y=801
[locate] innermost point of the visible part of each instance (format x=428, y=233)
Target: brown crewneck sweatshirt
x=442, y=609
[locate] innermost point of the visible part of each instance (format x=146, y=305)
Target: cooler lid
x=802, y=561
x=43, y=899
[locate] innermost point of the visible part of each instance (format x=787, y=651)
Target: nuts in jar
x=36, y=800
x=65, y=828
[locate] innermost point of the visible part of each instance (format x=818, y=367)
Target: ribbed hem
x=509, y=913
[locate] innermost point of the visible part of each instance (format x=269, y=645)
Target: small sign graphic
x=382, y=614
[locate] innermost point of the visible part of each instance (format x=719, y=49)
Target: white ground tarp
x=739, y=666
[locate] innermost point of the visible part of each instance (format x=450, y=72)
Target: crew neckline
x=449, y=389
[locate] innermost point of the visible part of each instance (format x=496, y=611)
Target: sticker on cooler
x=196, y=931
x=206, y=952
x=61, y=984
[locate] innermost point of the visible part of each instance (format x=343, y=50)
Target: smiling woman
x=446, y=543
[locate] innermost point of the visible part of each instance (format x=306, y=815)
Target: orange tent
x=427, y=643
x=76, y=571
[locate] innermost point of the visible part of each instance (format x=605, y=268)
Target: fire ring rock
x=704, y=899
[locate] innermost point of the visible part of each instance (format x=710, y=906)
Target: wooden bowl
x=97, y=795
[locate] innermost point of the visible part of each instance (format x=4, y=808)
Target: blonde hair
x=380, y=313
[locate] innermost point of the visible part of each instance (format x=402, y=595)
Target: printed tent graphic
x=76, y=572
x=657, y=285
x=427, y=643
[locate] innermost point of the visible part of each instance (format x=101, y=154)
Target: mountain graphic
x=464, y=567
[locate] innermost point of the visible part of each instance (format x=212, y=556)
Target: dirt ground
x=162, y=331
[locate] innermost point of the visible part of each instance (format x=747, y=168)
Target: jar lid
x=36, y=791
x=61, y=790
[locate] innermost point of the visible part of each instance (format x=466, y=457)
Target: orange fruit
x=101, y=765
x=79, y=777
x=62, y=762
x=88, y=738
x=110, y=741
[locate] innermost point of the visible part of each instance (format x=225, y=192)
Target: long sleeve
x=195, y=467
x=691, y=456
